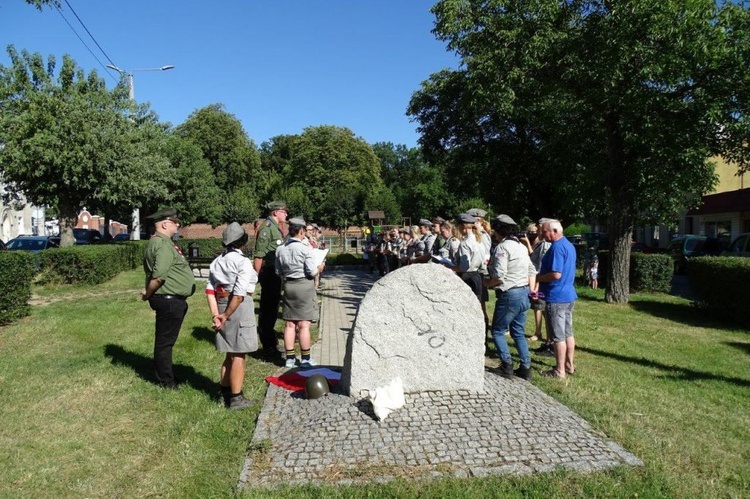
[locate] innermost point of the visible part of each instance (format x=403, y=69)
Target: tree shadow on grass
x=745, y=347
x=676, y=372
x=144, y=368
x=684, y=313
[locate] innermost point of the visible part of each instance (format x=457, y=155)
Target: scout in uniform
x=268, y=238
x=229, y=292
x=169, y=282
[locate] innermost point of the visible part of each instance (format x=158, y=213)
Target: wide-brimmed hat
x=466, y=218
x=233, y=232
x=477, y=212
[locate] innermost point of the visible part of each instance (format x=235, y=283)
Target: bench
x=199, y=262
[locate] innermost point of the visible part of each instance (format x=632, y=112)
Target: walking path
x=336, y=439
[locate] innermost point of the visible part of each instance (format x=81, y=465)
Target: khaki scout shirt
x=162, y=261
x=267, y=240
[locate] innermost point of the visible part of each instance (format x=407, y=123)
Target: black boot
x=504, y=370
x=523, y=372
x=226, y=394
x=238, y=401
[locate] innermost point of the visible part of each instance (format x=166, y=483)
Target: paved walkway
x=336, y=439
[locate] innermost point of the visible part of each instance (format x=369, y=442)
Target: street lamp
x=135, y=234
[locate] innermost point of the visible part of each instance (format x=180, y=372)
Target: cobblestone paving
x=336, y=439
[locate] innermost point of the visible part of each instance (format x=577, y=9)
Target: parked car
x=121, y=237
x=598, y=239
x=739, y=247
x=35, y=244
x=87, y=236
x=2, y=245
x=683, y=248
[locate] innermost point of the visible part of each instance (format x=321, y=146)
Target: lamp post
x=135, y=233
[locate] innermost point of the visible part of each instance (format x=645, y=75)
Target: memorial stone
x=420, y=324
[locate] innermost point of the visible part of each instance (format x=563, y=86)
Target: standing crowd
x=532, y=269
x=527, y=270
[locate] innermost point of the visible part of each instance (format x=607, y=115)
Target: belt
x=500, y=291
x=172, y=297
x=225, y=294
x=294, y=278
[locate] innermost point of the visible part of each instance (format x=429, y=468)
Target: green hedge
x=721, y=283
x=90, y=264
x=651, y=272
x=16, y=273
x=207, y=248
x=648, y=272
x=347, y=259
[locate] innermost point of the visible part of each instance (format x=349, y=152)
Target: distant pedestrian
x=169, y=282
x=229, y=292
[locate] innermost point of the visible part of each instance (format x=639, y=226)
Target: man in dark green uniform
x=268, y=238
x=169, y=282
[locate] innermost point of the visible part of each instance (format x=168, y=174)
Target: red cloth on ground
x=295, y=380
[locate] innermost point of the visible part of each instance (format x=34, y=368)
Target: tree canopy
x=233, y=157
x=590, y=108
x=325, y=172
x=67, y=141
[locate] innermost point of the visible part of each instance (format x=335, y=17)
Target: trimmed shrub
x=347, y=259
x=91, y=264
x=16, y=274
x=721, y=285
x=651, y=272
x=648, y=272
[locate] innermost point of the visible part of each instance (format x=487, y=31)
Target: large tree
x=418, y=187
x=614, y=104
x=68, y=142
x=233, y=156
x=335, y=170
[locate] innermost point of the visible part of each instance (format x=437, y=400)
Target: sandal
x=534, y=338
x=570, y=371
x=552, y=373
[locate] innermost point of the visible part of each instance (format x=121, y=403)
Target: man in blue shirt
x=556, y=276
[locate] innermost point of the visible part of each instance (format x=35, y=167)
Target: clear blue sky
x=278, y=65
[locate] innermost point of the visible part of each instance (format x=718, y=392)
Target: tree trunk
x=620, y=226
x=618, y=263
x=67, y=223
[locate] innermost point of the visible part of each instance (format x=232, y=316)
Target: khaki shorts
x=560, y=317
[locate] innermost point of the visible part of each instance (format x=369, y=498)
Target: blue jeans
x=510, y=312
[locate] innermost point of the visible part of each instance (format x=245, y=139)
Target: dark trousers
x=169, y=316
x=383, y=266
x=270, y=297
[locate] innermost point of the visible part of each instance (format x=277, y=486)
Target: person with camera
x=511, y=275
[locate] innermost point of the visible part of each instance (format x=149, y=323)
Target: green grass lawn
x=79, y=417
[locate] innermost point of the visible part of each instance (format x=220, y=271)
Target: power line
x=89, y=32
x=106, y=71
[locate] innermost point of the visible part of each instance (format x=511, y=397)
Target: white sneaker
x=306, y=364
x=291, y=362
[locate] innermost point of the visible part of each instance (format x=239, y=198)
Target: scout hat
x=164, y=214
x=505, y=220
x=465, y=218
x=477, y=212
x=232, y=233
x=437, y=220
x=276, y=205
x=423, y=222
x=296, y=221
